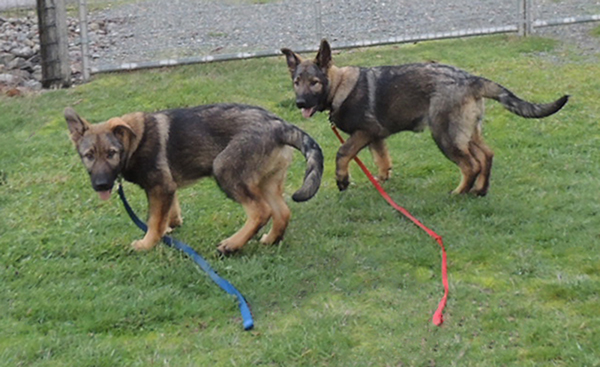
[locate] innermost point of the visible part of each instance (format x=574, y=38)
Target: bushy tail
x=518, y=106
x=293, y=136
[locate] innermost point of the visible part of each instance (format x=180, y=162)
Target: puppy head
x=102, y=148
x=311, y=83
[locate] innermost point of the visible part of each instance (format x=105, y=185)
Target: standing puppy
x=245, y=148
x=371, y=104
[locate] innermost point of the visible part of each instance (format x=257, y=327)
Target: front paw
x=225, y=248
x=343, y=183
x=384, y=175
x=142, y=245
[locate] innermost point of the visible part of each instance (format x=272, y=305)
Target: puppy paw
x=141, y=245
x=175, y=222
x=226, y=249
x=479, y=192
x=268, y=239
x=343, y=183
x=384, y=175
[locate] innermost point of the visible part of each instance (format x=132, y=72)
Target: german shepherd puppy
x=245, y=148
x=371, y=104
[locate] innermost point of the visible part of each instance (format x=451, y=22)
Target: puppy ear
x=77, y=125
x=292, y=58
x=121, y=130
x=323, y=58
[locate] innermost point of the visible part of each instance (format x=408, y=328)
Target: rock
x=94, y=26
x=33, y=85
x=16, y=63
x=8, y=79
x=6, y=57
x=20, y=60
x=24, y=52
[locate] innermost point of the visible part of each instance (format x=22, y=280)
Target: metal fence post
x=84, y=40
x=525, y=17
x=318, y=20
x=54, y=43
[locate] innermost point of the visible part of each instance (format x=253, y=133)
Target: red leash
x=438, y=317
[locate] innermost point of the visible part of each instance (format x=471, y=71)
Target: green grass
x=354, y=283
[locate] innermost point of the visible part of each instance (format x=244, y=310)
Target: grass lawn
x=353, y=283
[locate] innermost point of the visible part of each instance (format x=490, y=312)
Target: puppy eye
x=314, y=82
x=111, y=153
x=296, y=82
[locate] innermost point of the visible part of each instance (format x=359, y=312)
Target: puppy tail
x=516, y=105
x=294, y=136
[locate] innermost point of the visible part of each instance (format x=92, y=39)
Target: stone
x=8, y=79
x=16, y=63
x=33, y=84
x=6, y=57
x=24, y=52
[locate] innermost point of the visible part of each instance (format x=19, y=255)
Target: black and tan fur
x=371, y=104
x=245, y=148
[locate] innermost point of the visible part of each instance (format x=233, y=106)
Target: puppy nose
x=102, y=183
x=300, y=102
x=104, y=186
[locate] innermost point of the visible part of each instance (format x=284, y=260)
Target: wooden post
x=54, y=43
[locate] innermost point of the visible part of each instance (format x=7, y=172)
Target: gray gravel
x=165, y=29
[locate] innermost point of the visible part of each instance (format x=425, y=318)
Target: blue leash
x=171, y=242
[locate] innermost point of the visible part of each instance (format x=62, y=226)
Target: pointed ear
x=323, y=58
x=292, y=58
x=121, y=130
x=77, y=125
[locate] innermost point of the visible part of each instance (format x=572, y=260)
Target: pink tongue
x=104, y=195
x=307, y=112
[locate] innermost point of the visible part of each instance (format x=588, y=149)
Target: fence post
x=54, y=43
x=84, y=40
x=525, y=17
x=318, y=20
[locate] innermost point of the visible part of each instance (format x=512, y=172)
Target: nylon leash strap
x=438, y=317
x=199, y=260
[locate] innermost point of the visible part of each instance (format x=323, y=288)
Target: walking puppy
x=371, y=104
x=246, y=149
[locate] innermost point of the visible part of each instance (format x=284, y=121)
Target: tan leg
x=159, y=205
x=258, y=214
x=470, y=169
x=175, y=219
x=485, y=156
x=382, y=159
x=355, y=143
x=273, y=192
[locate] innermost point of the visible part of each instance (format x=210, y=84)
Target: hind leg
x=273, y=193
x=254, y=178
x=456, y=147
x=485, y=157
x=469, y=167
x=257, y=215
x=240, y=185
x=382, y=159
x=456, y=126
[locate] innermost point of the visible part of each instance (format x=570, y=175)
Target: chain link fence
x=132, y=34
x=150, y=33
